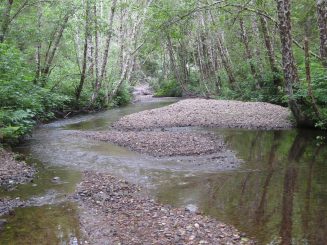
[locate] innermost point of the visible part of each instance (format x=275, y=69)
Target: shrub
x=169, y=88
x=22, y=103
x=123, y=96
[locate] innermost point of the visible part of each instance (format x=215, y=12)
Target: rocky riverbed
x=114, y=211
x=162, y=143
x=210, y=113
x=12, y=171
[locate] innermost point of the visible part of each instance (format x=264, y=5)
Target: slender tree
x=308, y=77
x=248, y=51
x=289, y=65
x=270, y=50
x=86, y=41
x=106, y=52
x=52, y=48
x=322, y=23
x=6, y=20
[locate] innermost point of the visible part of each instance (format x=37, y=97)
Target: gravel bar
x=162, y=143
x=114, y=211
x=210, y=113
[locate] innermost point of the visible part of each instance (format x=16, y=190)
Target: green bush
x=22, y=103
x=319, y=90
x=15, y=124
x=169, y=88
x=123, y=96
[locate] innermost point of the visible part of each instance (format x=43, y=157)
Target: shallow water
x=277, y=195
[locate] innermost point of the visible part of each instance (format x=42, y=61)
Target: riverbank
x=12, y=171
x=210, y=113
x=114, y=211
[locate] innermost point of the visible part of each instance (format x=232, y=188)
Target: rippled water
x=277, y=195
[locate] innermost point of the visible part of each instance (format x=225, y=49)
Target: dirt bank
x=162, y=143
x=114, y=212
x=13, y=172
x=210, y=113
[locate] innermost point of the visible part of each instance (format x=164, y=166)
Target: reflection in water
x=43, y=225
x=278, y=196
x=260, y=211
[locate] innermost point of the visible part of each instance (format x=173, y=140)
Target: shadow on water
x=278, y=195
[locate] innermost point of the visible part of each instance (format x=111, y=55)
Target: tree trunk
x=308, y=77
x=51, y=53
x=130, y=38
x=173, y=61
x=289, y=66
x=87, y=34
x=182, y=54
x=270, y=51
x=6, y=20
x=108, y=40
x=96, y=51
x=322, y=23
x=106, y=52
x=226, y=61
x=256, y=35
x=38, y=47
x=248, y=52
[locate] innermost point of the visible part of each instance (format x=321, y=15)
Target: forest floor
x=114, y=212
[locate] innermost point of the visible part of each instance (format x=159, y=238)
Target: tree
x=288, y=60
x=106, y=52
x=322, y=23
x=86, y=40
x=6, y=20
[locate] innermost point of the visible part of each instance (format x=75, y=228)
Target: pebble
x=55, y=179
x=13, y=171
x=144, y=221
x=191, y=238
x=210, y=113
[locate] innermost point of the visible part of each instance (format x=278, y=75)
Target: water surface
x=277, y=195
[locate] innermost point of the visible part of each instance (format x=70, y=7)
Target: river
x=278, y=195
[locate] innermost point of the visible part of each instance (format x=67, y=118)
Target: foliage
x=169, y=88
x=22, y=103
x=170, y=44
x=123, y=96
x=319, y=90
